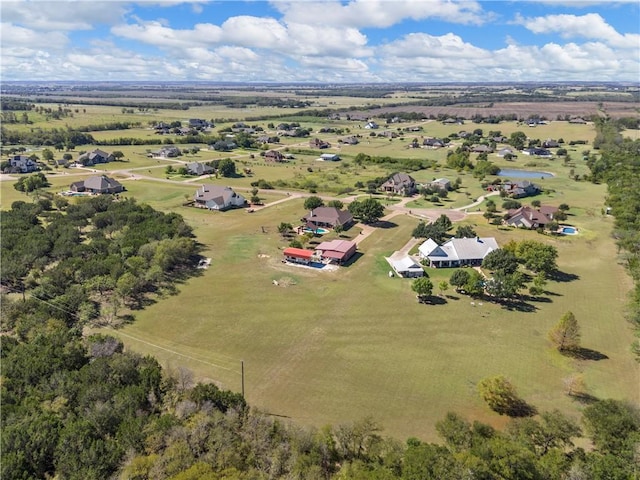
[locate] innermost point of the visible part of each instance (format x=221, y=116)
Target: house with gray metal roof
x=457, y=252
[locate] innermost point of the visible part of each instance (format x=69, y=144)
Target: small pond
x=507, y=172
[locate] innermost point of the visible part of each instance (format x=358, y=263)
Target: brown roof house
x=527, y=217
x=336, y=251
x=98, y=184
x=328, y=217
x=401, y=184
x=217, y=197
x=95, y=157
x=274, y=156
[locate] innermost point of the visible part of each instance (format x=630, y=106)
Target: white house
x=217, y=197
x=406, y=267
x=457, y=252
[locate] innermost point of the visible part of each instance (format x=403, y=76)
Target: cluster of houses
x=195, y=126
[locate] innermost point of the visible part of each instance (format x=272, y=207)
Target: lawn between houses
x=332, y=347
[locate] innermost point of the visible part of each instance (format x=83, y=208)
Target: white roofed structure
x=457, y=252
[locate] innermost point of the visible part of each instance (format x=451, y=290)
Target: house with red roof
x=336, y=251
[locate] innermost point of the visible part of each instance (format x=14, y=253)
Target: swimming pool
x=507, y=172
x=565, y=230
x=319, y=231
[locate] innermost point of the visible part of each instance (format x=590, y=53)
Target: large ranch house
x=216, y=197
x=97, y=184
x=328, y=217
x=457, y=252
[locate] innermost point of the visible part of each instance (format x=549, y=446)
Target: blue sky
x=321, y=41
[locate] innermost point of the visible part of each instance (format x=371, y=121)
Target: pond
x=507, y=172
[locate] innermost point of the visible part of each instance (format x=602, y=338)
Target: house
x=520, y=189
x=22, y=164
x=457, y=252
x=350, y=140
x=528, y=217
x=401, y=184
x=433, y=143
x=166, y=152
x=216, y=197
x=388, y=134
x=371, y=125
x=550, y=143
x=274, y=156
x=538, y=152
x=481, y=149
x=578, y=120
x=199, y=124
x=328, y=217
x=329, y=157
x=317, y=143
x=503, y=152
x=97, y=184
x=406, y=267
x=95, y=157
x=299, y=255
x=441, y=184
x=197, y=168
x=336, y=251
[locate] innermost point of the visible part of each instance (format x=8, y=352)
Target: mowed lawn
x=331, y=347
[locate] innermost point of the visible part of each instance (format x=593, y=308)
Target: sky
x=353, y=41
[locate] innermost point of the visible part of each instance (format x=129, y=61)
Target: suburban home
x=274, y=156
x=350, y=140
x=328, y=217
x=406, y=267
x=317, y=143
x=197, y=168
x=336, y=251
x=388, y=134
x=300, y=255
x=433, y=143
x=481, y=149
x=538, y=152
x=578, y=120
x=329, y=157
x=371, y=125
x=217, y=197
x=95, y=157
x=22, y=164
x=441, y=184
x=528, y=217
x=199, y=124
x=167, y=152
x=457, y=252
x=503, y=152
x=550, y=143
x=520, y=189
x=97, y=184
x=401, y=184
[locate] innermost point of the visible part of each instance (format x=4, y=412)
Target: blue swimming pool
x=507, y=172
x=319, y=231
x=316, y=265
x=569, y=230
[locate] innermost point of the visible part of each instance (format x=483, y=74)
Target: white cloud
x=591, y=26
x=254, y=32
x=157, y=34
x=380, y=13
x=15, y=36
x=424, y=45
x=61, y=15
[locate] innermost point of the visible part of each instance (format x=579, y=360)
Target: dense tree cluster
x=79, y=408
x=85, y=261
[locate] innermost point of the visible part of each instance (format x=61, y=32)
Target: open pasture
x=329, y=347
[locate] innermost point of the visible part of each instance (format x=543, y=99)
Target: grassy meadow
x=334, y=346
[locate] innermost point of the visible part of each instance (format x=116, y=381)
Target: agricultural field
x=327, y=347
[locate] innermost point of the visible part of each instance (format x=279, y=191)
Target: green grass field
x=331, y=347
